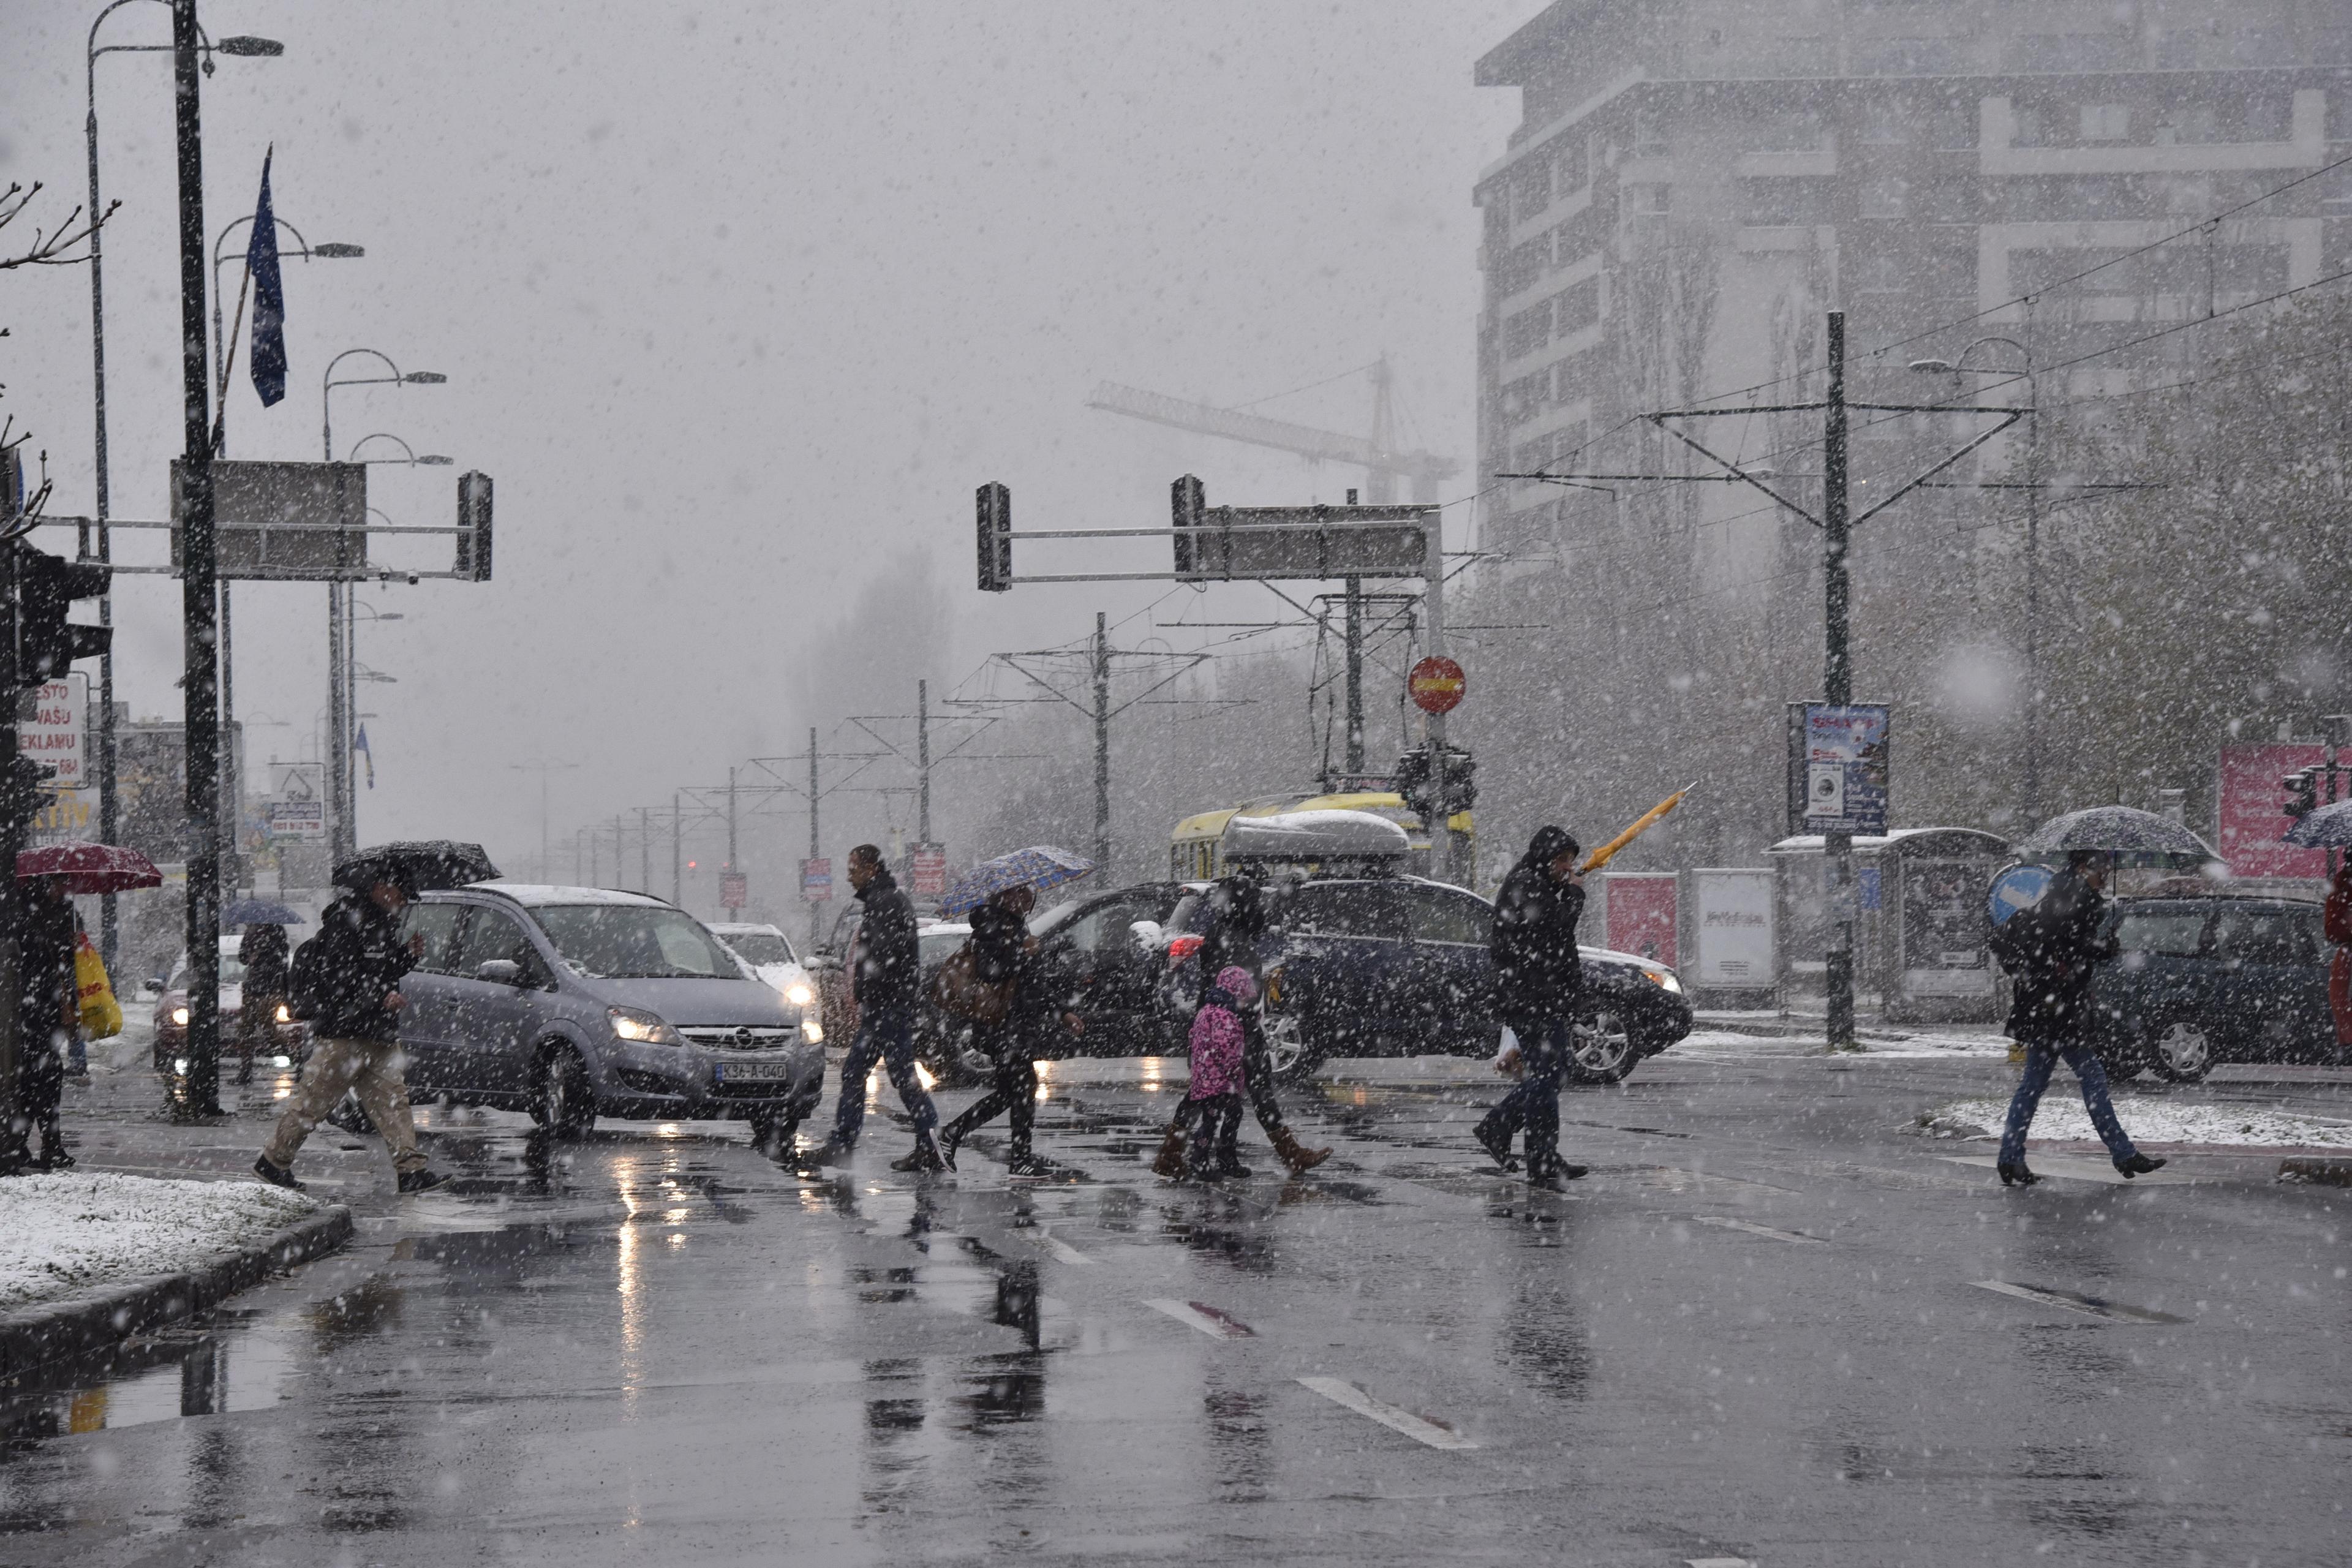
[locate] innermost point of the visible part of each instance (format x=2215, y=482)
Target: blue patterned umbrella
x=1040, y=867
x=2329, y=827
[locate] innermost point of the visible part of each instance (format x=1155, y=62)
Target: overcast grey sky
x=738, y=303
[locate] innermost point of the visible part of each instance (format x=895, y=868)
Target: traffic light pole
x=199, y=593
x=1445, y=848
x=1837, y=682
x=15, y=1127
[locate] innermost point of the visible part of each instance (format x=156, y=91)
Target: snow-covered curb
x=88, y=1259
x=2062, y=1119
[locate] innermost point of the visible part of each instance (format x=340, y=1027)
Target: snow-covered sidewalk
x=2061, y=1120
x=67, y=1234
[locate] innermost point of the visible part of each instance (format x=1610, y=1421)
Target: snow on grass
x=2062, y=1119
x=66, y=1233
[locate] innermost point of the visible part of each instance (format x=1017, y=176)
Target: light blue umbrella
x=1040, y=867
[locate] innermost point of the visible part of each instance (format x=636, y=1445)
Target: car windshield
x=635, y=941
x=760, y=946
x=2171, y=933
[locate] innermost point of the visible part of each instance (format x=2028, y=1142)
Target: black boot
x=2017, y=1175
x=276, y=1176
x=832, y=1152
x=2137, y=1165
x=419, y=1181
x=1496, y=1140
x=924, y=1156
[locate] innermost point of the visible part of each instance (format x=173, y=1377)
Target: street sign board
x=1837, y=767
x=286, y=523
x=734, y=890
x=2018, y=887
x=1734, y=926
x=2253, y=817
x=296, y=808
x=51, y=720
x=1253, y=543
x=816, y=879
x=928, y=866
x=1437, y=685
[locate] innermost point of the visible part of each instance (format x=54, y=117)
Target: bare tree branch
x=50, y=247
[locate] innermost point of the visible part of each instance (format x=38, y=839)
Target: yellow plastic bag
x=102, y=1014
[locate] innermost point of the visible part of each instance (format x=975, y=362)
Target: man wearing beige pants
x=346, y=982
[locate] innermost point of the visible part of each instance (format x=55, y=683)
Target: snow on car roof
x=533, y=894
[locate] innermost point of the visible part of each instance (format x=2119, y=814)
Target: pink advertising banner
x=2253, y=810
x=1638, y=910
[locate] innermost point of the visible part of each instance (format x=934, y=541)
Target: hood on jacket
x=1548, y=845
x=1235, y=982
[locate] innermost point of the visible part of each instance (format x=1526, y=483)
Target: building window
x=1527, y=331
x=1883, y=198
x=1779, y=204
x=2106, y=122
x=1577, y=308
x=1646, y=200
x=1530, y=189
x=1904, y=57
x=1523, y=265
x=1796, y=131
x=1524, y=398
x=1650, y=135
x=1570, y=165
x=1880, y=273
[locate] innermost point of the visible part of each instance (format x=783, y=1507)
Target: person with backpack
x=2050, y=950
x=346, y=982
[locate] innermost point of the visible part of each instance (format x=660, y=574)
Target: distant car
x=2211, y=978
x=572, y=1002
x=1399, y=965
x=769, y=954
x=287, y=1038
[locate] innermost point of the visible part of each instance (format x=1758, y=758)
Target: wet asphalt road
x=1762, y=1329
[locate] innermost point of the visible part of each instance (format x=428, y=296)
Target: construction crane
x=1383, y=464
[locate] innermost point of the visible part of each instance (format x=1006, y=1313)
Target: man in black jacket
x=2050, y=951
x=1538, y=983
x=887, y=969
x=347, y=984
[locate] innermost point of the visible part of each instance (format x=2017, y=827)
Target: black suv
x=2212, y=978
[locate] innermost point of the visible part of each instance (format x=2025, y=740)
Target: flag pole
x=236, y=331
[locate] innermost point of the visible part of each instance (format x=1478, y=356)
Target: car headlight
x=798, y=995
x=180, y=1016
x=645, y=1028
x=812, y=1031
x=1664, y=977
x=284, y=1014
x=180, y=1066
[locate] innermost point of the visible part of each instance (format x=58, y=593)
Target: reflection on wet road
x=1772, y=1326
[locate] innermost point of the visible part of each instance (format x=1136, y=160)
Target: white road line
x=1208, y=1319
x=2090, y=1306
x=1339, y=1392
x=1062, y=1249
x=1727, y=1223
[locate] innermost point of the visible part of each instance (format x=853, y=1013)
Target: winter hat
x=1235, y=982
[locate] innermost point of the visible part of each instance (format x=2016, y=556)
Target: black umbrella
x=2132, y=835
x=2329, y=827
x=422, y=866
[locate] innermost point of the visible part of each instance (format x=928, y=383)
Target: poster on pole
x=2253, y=819
x=51, y=732
x=927, y=870
x=1638, y=913
x=1837, y=767
x=734, y=891
x=816, y=879
x=296, y=808
x=1734, y=927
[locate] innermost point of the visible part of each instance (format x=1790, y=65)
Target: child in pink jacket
x=1216, y=1089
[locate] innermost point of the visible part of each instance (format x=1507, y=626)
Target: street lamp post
x=109, y=810
x=338, y=766
x=2031, y=791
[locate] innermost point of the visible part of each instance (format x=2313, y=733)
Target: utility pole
x=812, y=833
x=1441, y=835
x=199, y=591
x=923, y=762
x=1102, y=744
x=730, y=819
x=1837, y=680
x=645, y=851
x=1355, y=673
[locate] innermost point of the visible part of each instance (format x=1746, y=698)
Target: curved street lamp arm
x=352, y=456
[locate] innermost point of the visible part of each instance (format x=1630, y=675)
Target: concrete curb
x=55, y=1331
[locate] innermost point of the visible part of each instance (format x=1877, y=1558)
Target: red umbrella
x=91, y=868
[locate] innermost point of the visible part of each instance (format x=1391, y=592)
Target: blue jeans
x=1535, y=1103
x=891, y=1037
x=2039, y=1060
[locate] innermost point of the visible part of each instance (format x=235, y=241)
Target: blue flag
x=268, y=354
x=359, y=744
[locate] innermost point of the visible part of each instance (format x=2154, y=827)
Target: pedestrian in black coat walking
x=1538, y=986
x=886, y=962
x=1003, y=955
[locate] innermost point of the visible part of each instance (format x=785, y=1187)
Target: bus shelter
x=1924, y=927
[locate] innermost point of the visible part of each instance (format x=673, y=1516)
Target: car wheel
x=1603, y=1049
x=563, y=1102
x=1288, y=1049
x=2180, y=1051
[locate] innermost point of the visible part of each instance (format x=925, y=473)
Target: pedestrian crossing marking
x=1726, y=1223
x=2091, y=1305
x=1062, y=1249
x=1339, y=1392
x=1208, y=1319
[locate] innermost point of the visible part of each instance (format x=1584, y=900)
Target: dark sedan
x=2210, y=979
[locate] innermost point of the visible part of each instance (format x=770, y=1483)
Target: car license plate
x=754, y=1072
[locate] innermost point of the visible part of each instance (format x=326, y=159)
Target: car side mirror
x=499, y=972
x=1148, y=936
x=152, y=986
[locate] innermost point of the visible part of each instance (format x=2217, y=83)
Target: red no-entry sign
x=1437, y=685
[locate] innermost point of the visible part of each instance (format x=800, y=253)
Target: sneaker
x=420, y=1181
x=276, y=1176
x=1026, y=1164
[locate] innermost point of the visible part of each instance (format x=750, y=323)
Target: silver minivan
x=572, y=1002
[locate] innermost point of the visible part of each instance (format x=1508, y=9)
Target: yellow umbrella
x=1602, y=856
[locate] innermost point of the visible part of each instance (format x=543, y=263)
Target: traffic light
x=47, y=587
x=474, y=526
x=995, y=507
x=1416, y=783
x=1186, y=503
x=2301, y=788
x=26, y=791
